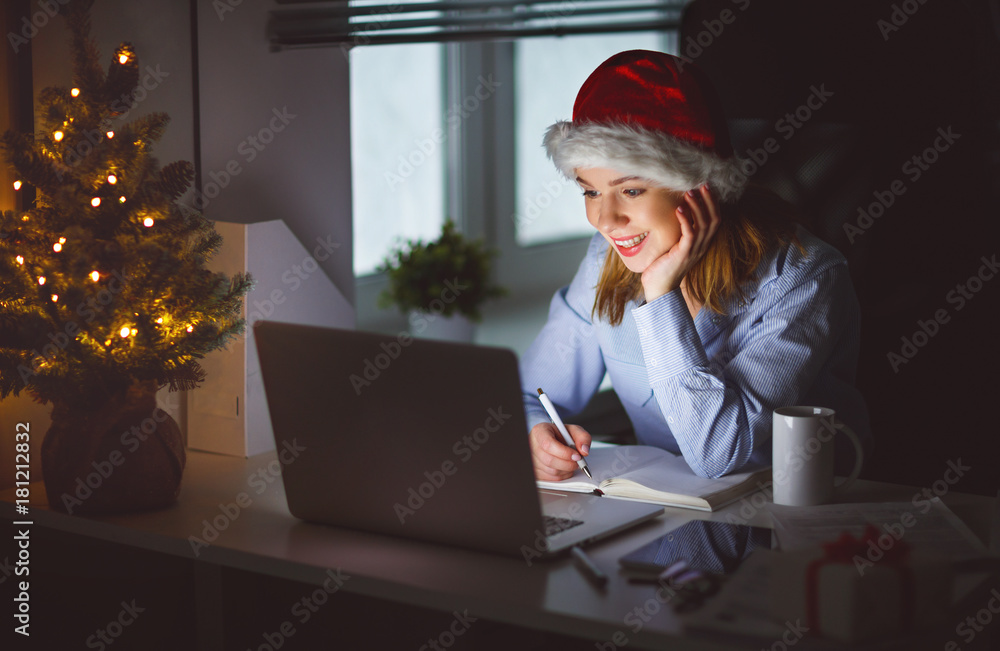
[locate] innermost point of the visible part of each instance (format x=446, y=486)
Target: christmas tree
x=104, y=283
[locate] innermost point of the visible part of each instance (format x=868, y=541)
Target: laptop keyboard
x=554, y=525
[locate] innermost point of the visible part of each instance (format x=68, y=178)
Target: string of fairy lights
x=123, y=331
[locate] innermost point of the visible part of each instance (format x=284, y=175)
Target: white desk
x=265, y=539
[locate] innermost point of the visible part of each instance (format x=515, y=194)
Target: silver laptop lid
x=415, y=438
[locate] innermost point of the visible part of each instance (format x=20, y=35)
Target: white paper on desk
x=933, y=527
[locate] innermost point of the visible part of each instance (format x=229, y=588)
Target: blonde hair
x=759, y=222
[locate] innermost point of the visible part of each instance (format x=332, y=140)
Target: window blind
x=348, y=24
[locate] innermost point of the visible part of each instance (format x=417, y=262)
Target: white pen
x=554, y=415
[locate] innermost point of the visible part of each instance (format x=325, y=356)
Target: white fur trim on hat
x=652, y=155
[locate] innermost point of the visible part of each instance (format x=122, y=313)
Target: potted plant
x=105, y=295
x=441, y=284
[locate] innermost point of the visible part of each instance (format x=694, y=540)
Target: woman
x=705, y=303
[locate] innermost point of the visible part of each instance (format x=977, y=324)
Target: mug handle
x=858, y=458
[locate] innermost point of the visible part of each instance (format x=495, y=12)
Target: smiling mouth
x=629, y=243
x=632, y=245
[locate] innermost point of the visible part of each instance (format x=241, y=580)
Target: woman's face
x=634, y=215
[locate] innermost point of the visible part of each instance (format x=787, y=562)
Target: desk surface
x=553, y=596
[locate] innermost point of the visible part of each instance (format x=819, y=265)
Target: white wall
x=302, y=175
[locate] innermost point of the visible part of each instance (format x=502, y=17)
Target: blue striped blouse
x=705, y=387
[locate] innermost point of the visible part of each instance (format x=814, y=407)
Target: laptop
x=421, y=439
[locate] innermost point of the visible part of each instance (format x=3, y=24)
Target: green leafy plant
x=450, y=275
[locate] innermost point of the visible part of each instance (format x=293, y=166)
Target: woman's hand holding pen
x=553, y=459
x=699, y=219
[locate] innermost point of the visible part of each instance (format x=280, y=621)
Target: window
x=548, y=74
x=489, y=172
x=397, y=162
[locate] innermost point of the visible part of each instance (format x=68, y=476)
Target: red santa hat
x=651, y=115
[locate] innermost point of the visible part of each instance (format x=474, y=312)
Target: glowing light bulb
x=41, y=280
x=95, y=276
x=147, y=222
x=95, y=202
x=75, y=92
x=125, y=331
x=57, y=247
x=19, y=259
x=55, y=298
x=62, y=240
x=160, y=320
x=110, y=134
x=190, y=328
x=24, y=217
x=121, y=199
x=123, y=59
x=112, y=179
x=133, y=331
x=58, y=136
x=17, y=185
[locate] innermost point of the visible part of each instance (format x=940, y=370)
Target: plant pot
x=121, y=456
x=456, y=327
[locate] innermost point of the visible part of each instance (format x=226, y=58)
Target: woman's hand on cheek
x=699, y=219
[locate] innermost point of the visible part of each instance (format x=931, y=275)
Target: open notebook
x=648, y=474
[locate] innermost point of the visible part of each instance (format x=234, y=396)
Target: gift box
x=854, y=590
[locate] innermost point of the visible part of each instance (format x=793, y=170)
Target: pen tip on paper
x=540, y=392
x=587, y=470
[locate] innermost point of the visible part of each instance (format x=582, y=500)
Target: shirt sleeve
x=719, y=412
x=565, y=359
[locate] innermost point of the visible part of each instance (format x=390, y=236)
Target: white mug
x=802, y=455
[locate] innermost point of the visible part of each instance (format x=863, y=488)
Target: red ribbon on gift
x=843, y=550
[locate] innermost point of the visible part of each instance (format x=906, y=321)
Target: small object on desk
x=664, y=577
x=588, y=569
x=672, y=571
x=554, y=415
